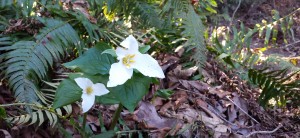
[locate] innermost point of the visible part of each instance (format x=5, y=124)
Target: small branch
x=235, y=12
x=291, y=44
x=242, y=110
x=264, y=132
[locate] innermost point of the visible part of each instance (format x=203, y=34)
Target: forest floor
x=220, y=105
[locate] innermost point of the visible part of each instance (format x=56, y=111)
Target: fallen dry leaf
x=93, y=119
x=209, y=79
x=147, y=114
x=200, y=86
x=219, y=91
x=208, y=118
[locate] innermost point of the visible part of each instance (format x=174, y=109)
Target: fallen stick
x=265, y=132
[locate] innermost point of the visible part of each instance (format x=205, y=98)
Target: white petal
x=118, y=74
x=87, y=101
x=131, y=43
x=83, y=83
x=99, y=89
x=148, y=66
x=121, y=52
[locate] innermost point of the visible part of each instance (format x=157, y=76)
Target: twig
x=235, y=12
x=242, y=110
x=265, y=132
x=291, y=44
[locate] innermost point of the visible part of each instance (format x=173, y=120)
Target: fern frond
x=274, y=84
x=148, y=14
x=94, y=32
x=194, y=32
x=41, y=115
x=27, y=62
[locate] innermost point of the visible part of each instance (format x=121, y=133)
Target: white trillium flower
x=130, y=58
x=89, y=91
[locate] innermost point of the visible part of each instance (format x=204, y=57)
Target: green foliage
x=234, y=51
x=93, y=61
x=128, y=94
x=40, y=115
x=165, y=93
x=275, y=85
x=5, y=3
x=2, y=113
x=27, y=62
x=194, y=32
x=148, y=14
x=270, y=30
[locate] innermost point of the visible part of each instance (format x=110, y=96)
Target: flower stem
x=116, y=117
x=84, y=120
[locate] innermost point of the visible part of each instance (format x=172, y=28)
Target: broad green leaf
x=92, y=61
x=144, y=49
x=67, y=92
x=111, y=52
x=107, y=99
x=131, y=92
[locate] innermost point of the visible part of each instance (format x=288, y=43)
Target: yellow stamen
x=128, y=59
x=89, y=90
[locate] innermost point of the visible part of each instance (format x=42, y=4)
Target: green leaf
x=268, y=34
x=210, y=9
x=144, y=49
x=131, y=92
x=165, y=93
x=67, y=92
x=107, y=99
x=128, y=94
x=111, y=52
x=2, y=113
x=92, y=61
x=223, y=55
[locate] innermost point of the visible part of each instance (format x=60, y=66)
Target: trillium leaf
x=131, y=92
x=93, y=61
x=67, y=92
x=111, y=52
x=144, y=49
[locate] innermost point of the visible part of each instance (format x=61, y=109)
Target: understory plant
x=57, y=53
x=109, y=76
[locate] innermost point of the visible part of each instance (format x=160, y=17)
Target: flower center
x=128, y=59
x=89, y=90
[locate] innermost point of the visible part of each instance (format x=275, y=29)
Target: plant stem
x=84, y=120
x=116, y=117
